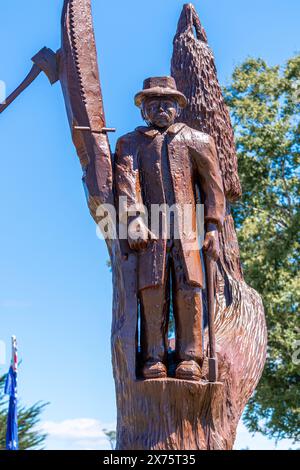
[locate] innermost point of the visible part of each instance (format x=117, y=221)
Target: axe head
x=213, y=369
x=47, y=61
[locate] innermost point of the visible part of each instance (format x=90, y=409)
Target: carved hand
x=211, y=245
x=139, y=236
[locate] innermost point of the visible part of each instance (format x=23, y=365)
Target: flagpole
x=12, y=441
x=14, y=353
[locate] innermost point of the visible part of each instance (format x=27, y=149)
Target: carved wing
x=193, y=67
x=79, y=76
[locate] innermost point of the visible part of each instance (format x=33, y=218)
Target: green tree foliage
x=29, y=436
x=111, y=437
x=264, y=103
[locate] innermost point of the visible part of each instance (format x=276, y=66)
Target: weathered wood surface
x=79, y=76
x=166, y=414
x=240, y=322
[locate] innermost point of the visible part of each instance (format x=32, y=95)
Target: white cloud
x=87, y=434
x=259, y=442
x=76, y=434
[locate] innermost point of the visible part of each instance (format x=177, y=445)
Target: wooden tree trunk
x=165, y=413
x=170, y=414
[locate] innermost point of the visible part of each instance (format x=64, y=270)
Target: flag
x=12, y=442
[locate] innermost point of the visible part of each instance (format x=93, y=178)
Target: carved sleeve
x=209, y=177
x=127, y=180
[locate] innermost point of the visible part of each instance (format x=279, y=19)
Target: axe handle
x=33, y=74
x=210, y=275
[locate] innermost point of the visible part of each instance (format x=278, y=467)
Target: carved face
x=160, y=111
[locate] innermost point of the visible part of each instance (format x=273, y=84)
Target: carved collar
x=153, y=132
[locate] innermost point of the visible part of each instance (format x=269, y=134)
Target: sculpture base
x=169, y=414
x=172, y=414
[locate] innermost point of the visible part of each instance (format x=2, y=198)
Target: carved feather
x=239, y=317
x=193, y=67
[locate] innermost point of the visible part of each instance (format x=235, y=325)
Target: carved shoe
x=188, y=370
x=154, y=370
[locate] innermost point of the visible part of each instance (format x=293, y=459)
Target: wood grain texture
x=193, y=67
x=241, y=333
x=167, y=413
x=80, y=82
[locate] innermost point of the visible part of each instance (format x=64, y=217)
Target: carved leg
x=154, y=326
x=188, y=320
x=188, y=315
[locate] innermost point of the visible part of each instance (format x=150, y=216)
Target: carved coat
x=193, y=161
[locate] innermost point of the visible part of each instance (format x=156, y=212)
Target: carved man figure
x=169, y=163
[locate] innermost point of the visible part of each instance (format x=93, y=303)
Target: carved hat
x=160, y=86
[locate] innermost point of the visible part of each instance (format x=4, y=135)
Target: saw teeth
x=75, y=49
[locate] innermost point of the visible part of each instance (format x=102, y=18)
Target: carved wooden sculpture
x=240, y=322
x=165, y=412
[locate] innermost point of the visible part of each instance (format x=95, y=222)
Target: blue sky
x=55, y=288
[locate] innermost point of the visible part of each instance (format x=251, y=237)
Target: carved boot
x=154, y=370
x=188, y=370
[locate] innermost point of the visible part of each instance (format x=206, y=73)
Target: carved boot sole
x=155, y=370
x=188, y=370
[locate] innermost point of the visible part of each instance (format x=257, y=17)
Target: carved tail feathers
x=239, y=321
x=194, y=70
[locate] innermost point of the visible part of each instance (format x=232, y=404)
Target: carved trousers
x=187, y=310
